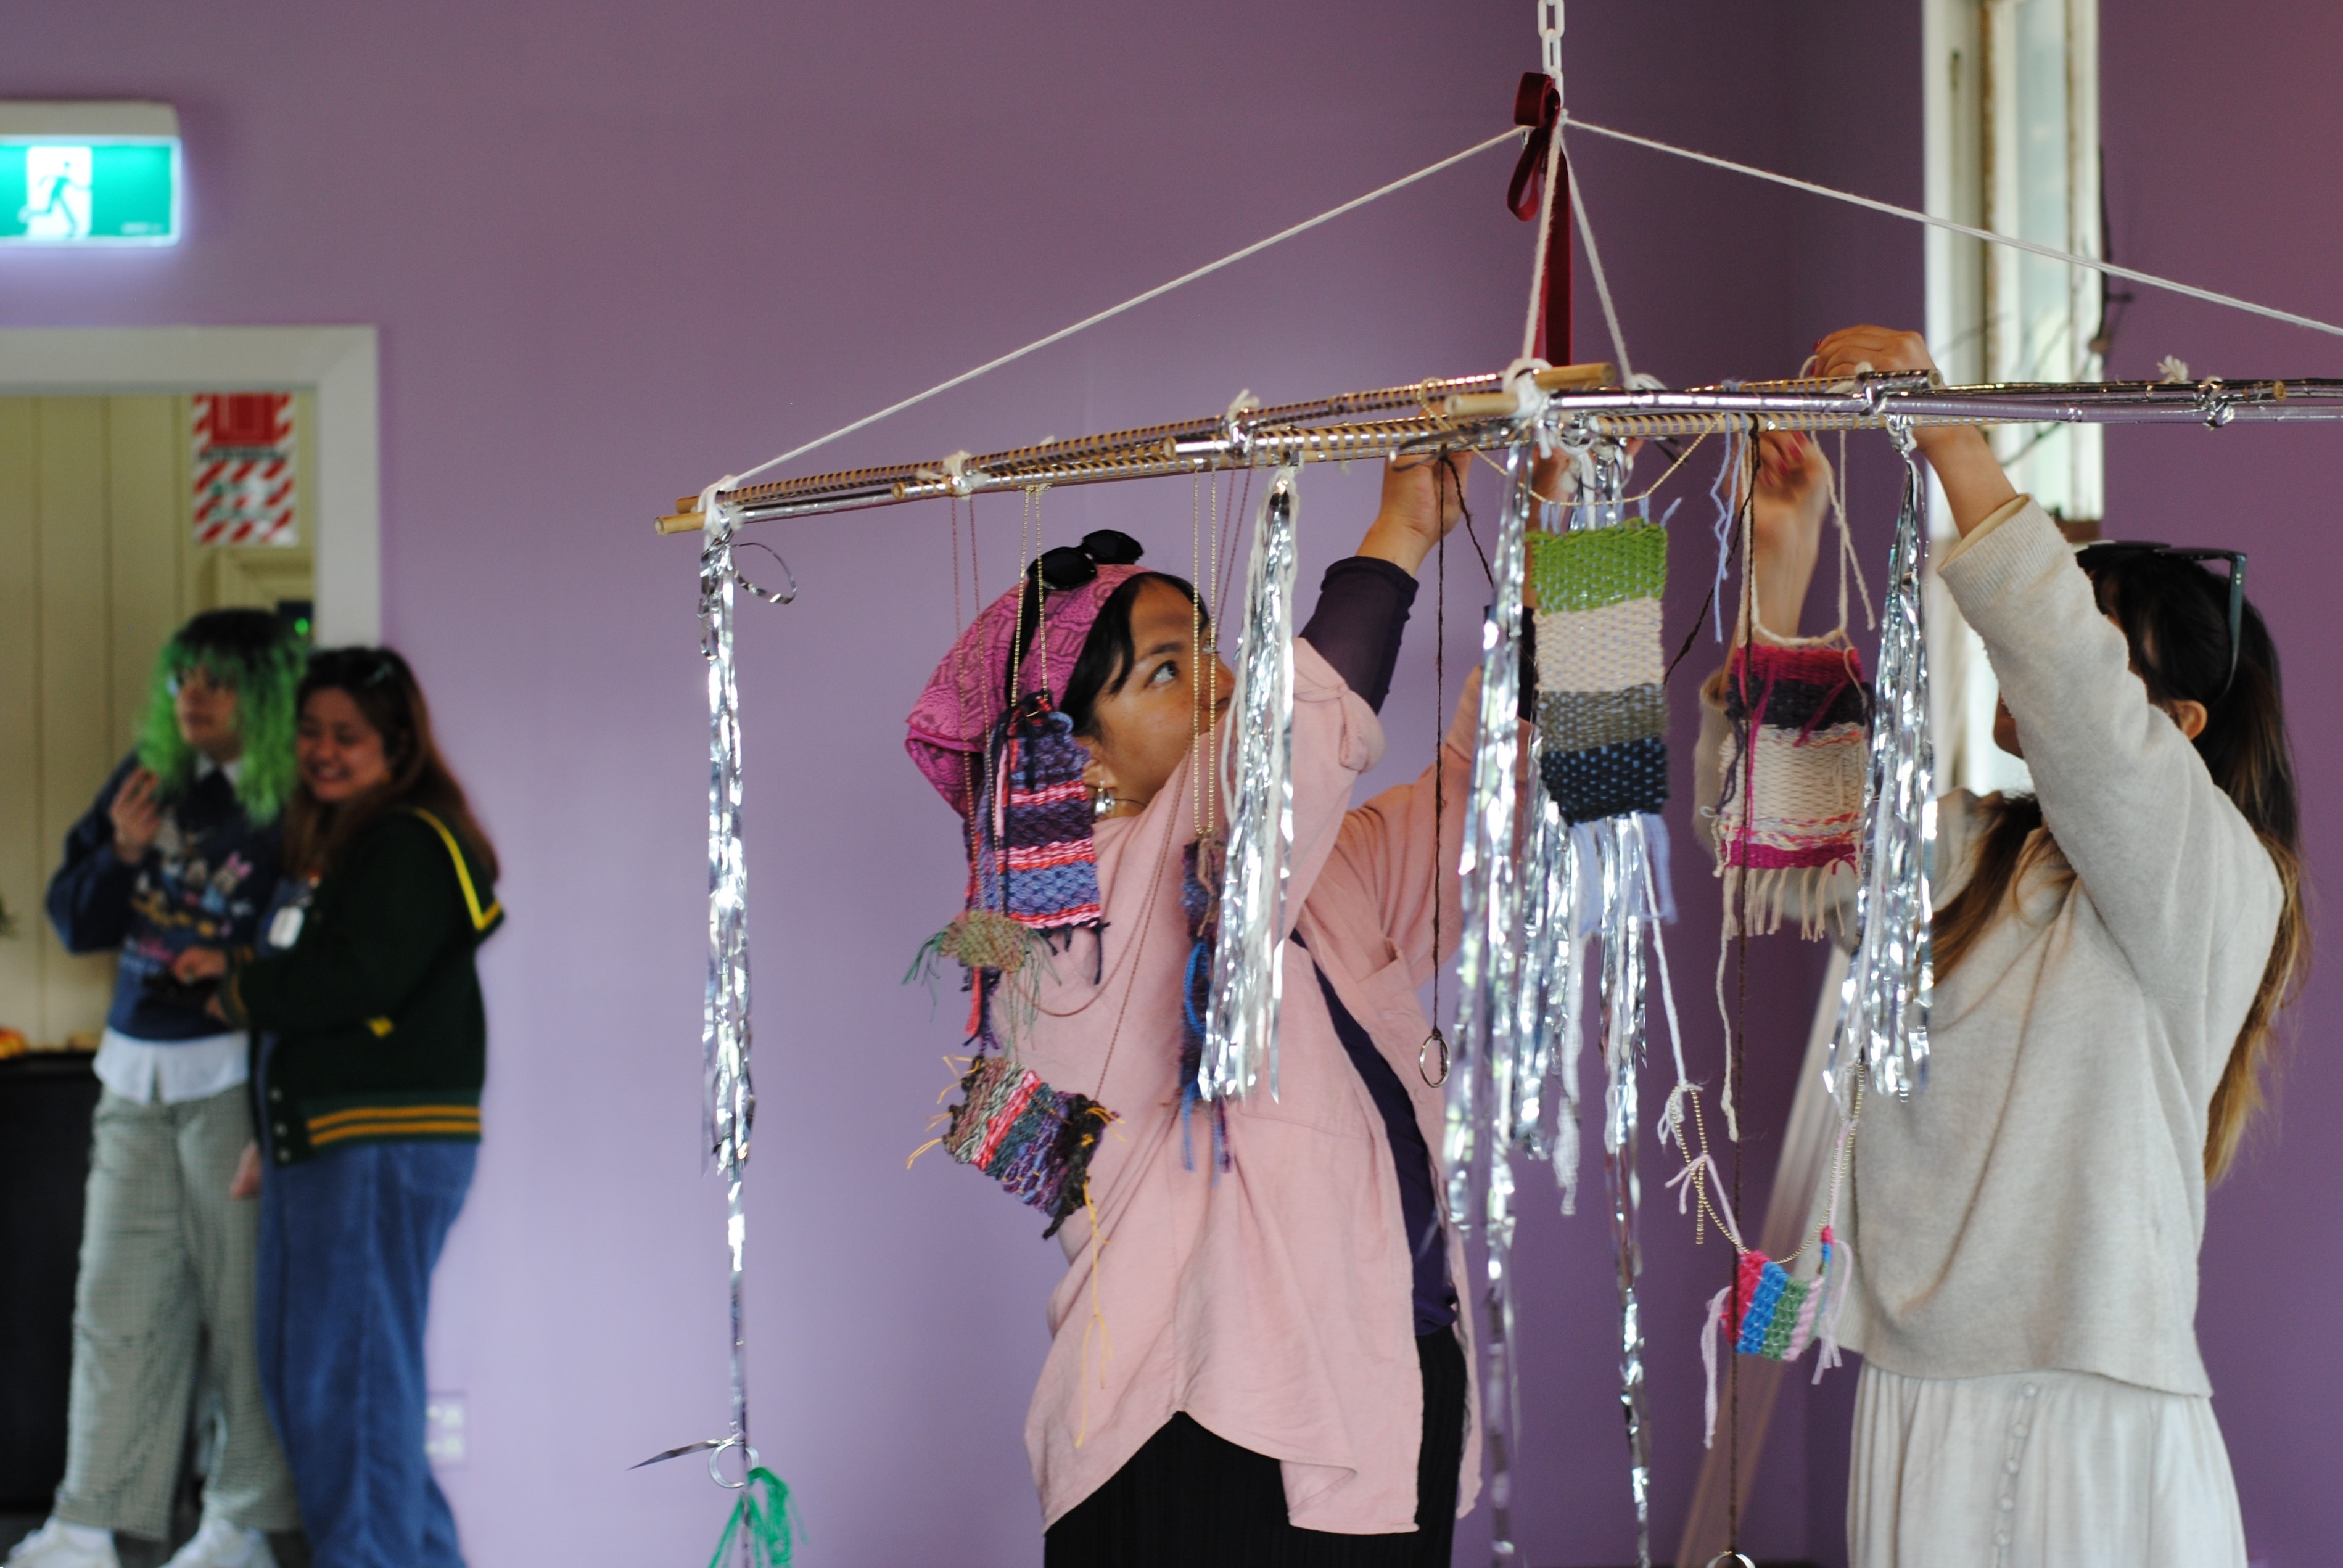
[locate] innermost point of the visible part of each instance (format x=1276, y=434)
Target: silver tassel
x=1620, y=851
x=1241, y=1027
x=1553, y=985
x=1884, y=1002
x=728, y=1101
x=1487, y=954
x=1484, y=1078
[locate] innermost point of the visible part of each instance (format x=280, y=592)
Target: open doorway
x=146, y=474
x=121, y=517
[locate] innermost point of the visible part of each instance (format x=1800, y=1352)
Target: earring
x=1103, y=803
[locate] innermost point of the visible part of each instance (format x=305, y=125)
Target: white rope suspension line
x=1989, y=235
x=1595, y=264
x=1136, y=300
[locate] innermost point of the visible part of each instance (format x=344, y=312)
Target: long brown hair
x=384, y=689
x=2175, y=617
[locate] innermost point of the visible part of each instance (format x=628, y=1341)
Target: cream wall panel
x=77, y=671
x=24, y=857
x=147, y=532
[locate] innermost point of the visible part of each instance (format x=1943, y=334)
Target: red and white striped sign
x=244, y=468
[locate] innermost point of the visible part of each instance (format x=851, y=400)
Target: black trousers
x=1190, y=1498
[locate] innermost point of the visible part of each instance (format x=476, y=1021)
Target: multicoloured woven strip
x=1035, y=860
x=1035, y=1141
x=1602, y=719
x=1779, y=1313
x=1793, y=767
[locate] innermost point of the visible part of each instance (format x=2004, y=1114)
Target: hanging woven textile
x=1240, y=1044
x=1602, y=719
x=988, y=735
x=1775, y=1312
x=1884, y=1004
x=1787, y=826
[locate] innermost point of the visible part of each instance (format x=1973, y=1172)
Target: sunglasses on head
x=2111, y=551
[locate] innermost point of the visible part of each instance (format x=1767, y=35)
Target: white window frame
x=2011, y=112
x=339, y=365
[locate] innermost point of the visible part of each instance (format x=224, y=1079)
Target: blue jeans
x=347, y=1242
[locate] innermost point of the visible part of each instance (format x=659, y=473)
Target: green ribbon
x=764, y=1505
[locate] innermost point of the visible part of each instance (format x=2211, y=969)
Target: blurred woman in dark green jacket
x=373, y=1045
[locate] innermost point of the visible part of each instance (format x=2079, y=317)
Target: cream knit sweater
x=2041, y=1202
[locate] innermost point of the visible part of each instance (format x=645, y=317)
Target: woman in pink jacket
x=1256, y=1353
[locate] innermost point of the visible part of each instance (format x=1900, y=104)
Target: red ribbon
x=1537, y=103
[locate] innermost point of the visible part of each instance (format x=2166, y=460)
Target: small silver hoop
x=717, y=1453
x=1424, y=1058
x=1731, y=1557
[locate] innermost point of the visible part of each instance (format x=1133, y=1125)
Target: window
x=2011, y=103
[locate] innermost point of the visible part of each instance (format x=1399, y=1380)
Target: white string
x=1595, y=264
x=1136, y=300
x=1989, y=235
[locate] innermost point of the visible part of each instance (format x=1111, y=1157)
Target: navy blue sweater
x=202, y=883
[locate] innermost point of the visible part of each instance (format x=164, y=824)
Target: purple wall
x=615, y=249
x=2244, y=203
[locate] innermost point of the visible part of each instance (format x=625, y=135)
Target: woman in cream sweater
x=2110, y=952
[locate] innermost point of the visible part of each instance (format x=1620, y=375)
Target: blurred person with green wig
x=183, y=848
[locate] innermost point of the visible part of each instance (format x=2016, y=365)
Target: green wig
x=260, y=657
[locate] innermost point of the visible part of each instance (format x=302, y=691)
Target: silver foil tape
x=1241, y=1026
x=1621, y=880
x=1488, y=952
x=729, y=1103
x=1884, y=1002
x=1485, y=1084
x=1555, y=925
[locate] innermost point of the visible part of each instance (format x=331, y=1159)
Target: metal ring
x=769, y=596
x=717, y=1453
x=1423, y=1052
x=1731, y=1557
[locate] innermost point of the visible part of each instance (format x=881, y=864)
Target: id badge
x=286, y=928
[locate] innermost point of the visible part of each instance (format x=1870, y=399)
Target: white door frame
x=337, y=364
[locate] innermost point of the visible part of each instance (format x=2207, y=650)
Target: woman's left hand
x=1422, y=498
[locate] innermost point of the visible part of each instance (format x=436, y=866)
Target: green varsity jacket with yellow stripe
x=376, y=1008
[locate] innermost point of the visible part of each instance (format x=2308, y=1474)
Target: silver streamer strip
x=729, y=1101
x=1241, y=1028
x=1484, y=1080
x=1620, y=873
x=1486, y=952
x=1884, y=1002
x=1553, y=983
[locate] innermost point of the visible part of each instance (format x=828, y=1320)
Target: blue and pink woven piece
x=1778, y=1314
x=1035, y=861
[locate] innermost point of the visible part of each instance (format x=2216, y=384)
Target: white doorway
x=101, y=557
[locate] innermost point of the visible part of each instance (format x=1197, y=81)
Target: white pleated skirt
x=2038, y=1470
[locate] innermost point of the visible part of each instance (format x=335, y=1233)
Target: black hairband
x=1067, y=566
x=2108, y=551
x=1071, y=565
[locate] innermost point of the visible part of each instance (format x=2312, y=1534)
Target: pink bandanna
x=968, y=692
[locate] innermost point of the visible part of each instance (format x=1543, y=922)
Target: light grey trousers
x=167, y=1267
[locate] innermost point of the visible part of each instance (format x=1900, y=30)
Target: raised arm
x=89, y=895
x=2164, y=855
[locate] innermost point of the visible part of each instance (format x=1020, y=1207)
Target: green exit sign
x=88, y=174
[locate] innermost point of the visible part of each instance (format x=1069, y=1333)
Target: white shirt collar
x=205, y=767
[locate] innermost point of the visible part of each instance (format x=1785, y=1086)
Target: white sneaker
x=220, y=1544
x=57, y=1544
